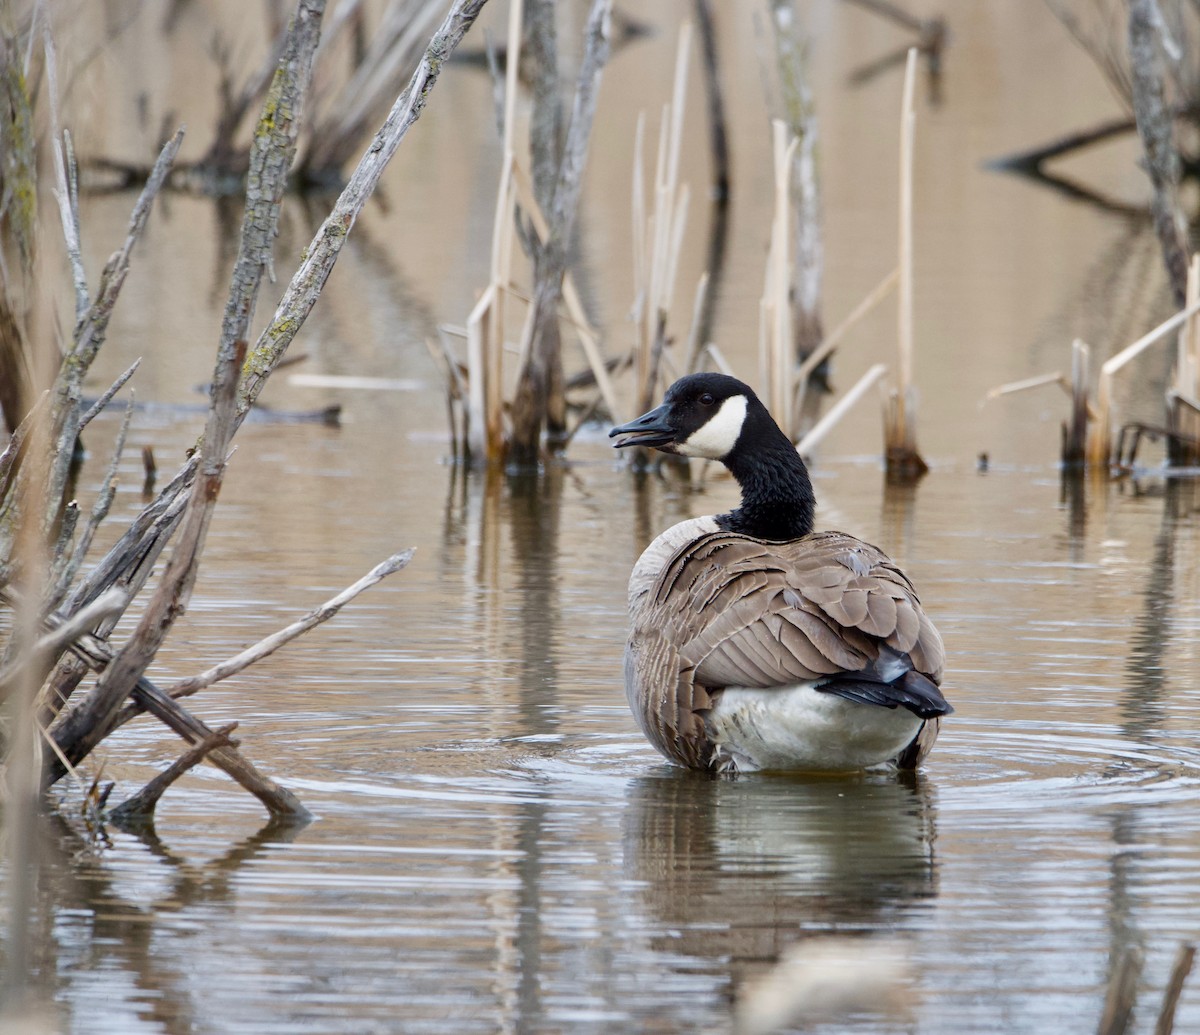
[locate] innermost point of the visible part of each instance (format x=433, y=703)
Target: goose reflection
x=735, y=871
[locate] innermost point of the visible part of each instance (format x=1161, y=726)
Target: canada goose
x=757, y=643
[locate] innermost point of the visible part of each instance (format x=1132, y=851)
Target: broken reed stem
x=485, y=439
x=140, y=807
x=1028, y=383
x=68, y=200
x=1100, y=442
x=658, y=233
x=775, y=311
x=1183, y=397
x=840, y=408
x=834, y=337
x=718, y=357
x=903, y=433
x=1075, y=431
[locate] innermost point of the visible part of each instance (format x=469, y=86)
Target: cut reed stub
x=903, y=461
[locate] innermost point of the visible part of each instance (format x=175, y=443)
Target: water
x=496, y=847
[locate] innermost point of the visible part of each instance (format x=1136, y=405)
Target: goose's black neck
x=777, y=495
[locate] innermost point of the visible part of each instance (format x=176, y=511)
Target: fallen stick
x=140, y=807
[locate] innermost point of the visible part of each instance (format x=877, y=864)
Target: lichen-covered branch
x=322, y=253
x=1156, y=128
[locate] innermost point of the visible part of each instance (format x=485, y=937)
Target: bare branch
x=272, y=643
x=60, y=636
x=322, y=253
x=140, y=807
x=107, y=397
x=104, y=500
x=67, y=200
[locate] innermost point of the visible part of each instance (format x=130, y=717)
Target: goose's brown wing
x=750, y=613
x=729, y=610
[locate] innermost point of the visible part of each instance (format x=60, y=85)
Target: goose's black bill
x=650, y=429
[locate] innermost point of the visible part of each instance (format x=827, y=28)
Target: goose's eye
x=706, y=399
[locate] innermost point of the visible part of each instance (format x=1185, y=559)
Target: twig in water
x=140, y=807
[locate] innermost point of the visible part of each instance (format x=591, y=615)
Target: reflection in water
x=534, y=511
x=731, y=872
x=94, y=924
x=1142, y=704
x=899, y=508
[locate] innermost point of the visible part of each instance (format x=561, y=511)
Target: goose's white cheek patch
x=719, y=434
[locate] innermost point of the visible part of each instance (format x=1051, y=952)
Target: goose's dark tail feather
x=891, y=682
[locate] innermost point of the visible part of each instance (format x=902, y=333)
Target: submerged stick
x=140, y=807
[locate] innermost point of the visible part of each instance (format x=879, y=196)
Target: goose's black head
x=702, y=415
x=720, y=418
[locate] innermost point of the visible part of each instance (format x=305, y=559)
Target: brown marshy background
x=495, y=848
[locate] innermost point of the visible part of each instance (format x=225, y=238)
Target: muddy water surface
x=496, y=848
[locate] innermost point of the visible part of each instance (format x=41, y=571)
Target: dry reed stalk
x=1075, y=431
x=485, y=440
x=1183, y=396
x=775, y=346
x=589, y=339
x=834, y=337
x=840, y=408
x=658, y=234
x=691, y=352
x=1100, y=441
x=718, y=358
x=900, y=423
x=1028, y=383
